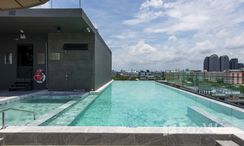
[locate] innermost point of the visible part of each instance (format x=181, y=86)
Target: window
x=8, y=58
x=75, y=47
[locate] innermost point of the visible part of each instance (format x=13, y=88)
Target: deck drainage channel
x=197, y=114
x=65, y=119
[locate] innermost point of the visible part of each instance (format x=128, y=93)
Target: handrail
x=3, y=114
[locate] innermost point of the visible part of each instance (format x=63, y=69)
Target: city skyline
x=215, y=63
x=161, y=35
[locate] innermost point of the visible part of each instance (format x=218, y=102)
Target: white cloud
x=185, y=15
x=235, y=42
x=172, y=38
x=141, y=48
x=199, y=15
x=186, y=23
x=142, y=55
x=125, y=35
x=143, y=16
x=149, y=10
x=152, y=4
x=202, y=27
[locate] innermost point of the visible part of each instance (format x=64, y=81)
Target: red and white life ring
x=39, y=76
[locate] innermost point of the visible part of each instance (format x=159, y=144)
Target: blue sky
x=166, y=34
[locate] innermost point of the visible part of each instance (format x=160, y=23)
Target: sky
x=166, y=34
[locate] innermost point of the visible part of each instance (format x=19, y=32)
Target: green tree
x=242, y=89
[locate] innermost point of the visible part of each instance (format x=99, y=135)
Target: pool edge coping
x=102, y=88
x=11, y=99
x=122, y=130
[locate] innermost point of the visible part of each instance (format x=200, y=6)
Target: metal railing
x=20, y=110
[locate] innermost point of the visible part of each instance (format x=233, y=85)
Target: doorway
x=25, y=62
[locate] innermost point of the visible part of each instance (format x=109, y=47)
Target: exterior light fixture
x=22, y=35
x=58, y=29
x=88, y=29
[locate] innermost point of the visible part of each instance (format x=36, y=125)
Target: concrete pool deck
x=163, y=136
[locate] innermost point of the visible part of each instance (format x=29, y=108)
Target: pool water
x=39, y=105
x=150, y=104
x=128, y=104
x=65, y=118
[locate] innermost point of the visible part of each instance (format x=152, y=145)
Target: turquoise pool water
x=39, y=105
x=149, y=104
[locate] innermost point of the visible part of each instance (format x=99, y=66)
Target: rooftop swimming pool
x=125, y=104
x=148, y=104
x=123, y=112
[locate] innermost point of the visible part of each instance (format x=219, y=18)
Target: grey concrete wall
x=86, y=69
x=8, y=44
x=78, y=65
x=40, y=46
x=7, y=72
x=103, y=62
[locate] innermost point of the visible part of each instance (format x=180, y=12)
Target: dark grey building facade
x=240, y=65
x=234, y=63
x=206, y=64
x=214, y=65
x=224, y=63
x=62, y=42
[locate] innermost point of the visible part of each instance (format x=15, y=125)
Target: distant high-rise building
x=234, y=63
x=214, y=63
x=240, y=65
x=206, y=64
x=224, y=63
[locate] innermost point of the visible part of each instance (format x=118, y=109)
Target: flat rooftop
x=44, y=20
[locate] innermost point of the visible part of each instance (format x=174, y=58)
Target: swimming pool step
x=200, y=116
x=48, y=116
x=226, y=143
x=67, y=117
